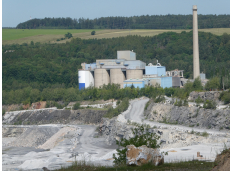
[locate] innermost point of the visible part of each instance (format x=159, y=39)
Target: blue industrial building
x=155, y=70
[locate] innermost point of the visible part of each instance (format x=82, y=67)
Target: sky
x=18, y=11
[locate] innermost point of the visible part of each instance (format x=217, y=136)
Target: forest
x=134, y=22
x=42, y=69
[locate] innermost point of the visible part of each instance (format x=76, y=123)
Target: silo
x=134, y=74
x=101, y=77
x=86, y=79
x=117, y=77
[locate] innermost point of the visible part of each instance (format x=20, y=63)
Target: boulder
x=142, y=155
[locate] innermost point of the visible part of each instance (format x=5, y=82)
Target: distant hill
x=135, y=22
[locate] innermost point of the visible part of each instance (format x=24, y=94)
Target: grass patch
x=184, y=165
x=18, y=36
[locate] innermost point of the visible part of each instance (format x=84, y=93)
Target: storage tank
x=134, y=74
x=86, y=79
x=101, y=77
x=117, y=77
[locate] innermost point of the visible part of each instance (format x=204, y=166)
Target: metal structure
x=101, y=77
x=117, y=76
x=196, y=64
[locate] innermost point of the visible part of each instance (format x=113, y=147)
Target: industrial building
x=126, y=71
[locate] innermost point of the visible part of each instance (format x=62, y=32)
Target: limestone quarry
x=51, y=138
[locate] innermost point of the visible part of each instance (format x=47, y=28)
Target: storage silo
x=117, y=77
x=101, y=77
x=134, y=74
x=86, y=79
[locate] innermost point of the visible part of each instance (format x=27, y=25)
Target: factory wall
x=134, y=74
x=161, y=71
x=86, y=79
x=128, y=55
x=150, y=70
x=176, y=82
x=135, y=83
x=134, y=64
x=90, y=66
x=154, y=81
x=166, y=82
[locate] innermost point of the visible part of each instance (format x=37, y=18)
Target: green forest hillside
x=135, y=22
x=43, y=65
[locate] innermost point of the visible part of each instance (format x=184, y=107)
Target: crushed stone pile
x=34, y=137
x=56, y=138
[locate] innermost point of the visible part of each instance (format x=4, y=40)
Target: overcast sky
x=17, y=11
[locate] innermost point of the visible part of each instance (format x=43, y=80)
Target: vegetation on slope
x=135, y=22
x=42, y=65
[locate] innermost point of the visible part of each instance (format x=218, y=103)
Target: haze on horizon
x=15, y=12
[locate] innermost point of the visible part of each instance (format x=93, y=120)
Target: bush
x=142, y=136
x=225, y=96
x=208, y=104
x=3, y=112
x=146, y=105
x=119, y=109
x=68, y=35
x=76, y=106
x=93, y=33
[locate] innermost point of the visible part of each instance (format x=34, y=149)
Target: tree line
x=29, y=95
x=134, y=22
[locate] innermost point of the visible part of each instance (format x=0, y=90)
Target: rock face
x=189, y=116
x=113, y=130
x=48, y=116
x=208, y=95
x=143, y=155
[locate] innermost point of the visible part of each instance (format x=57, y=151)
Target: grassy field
x=19, y=36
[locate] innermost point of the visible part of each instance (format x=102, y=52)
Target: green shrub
x=208, y=104
x=119, y=109
x=205, y=134
x=199, y=100
x=146, y=105
x=3, y=112
x=76, y=106
x=225, y=96
x=142, y=136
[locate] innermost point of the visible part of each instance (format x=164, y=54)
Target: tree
x=213, y=83
x=76, y=106
x=197, y=84
x=93, y=33
x=68, y=35
x=141, y=136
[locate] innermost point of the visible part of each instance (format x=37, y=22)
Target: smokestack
x=196, y=64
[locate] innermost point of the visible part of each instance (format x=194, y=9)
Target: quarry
x=54, y=138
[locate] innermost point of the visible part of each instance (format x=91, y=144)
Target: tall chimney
x=196, y=64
